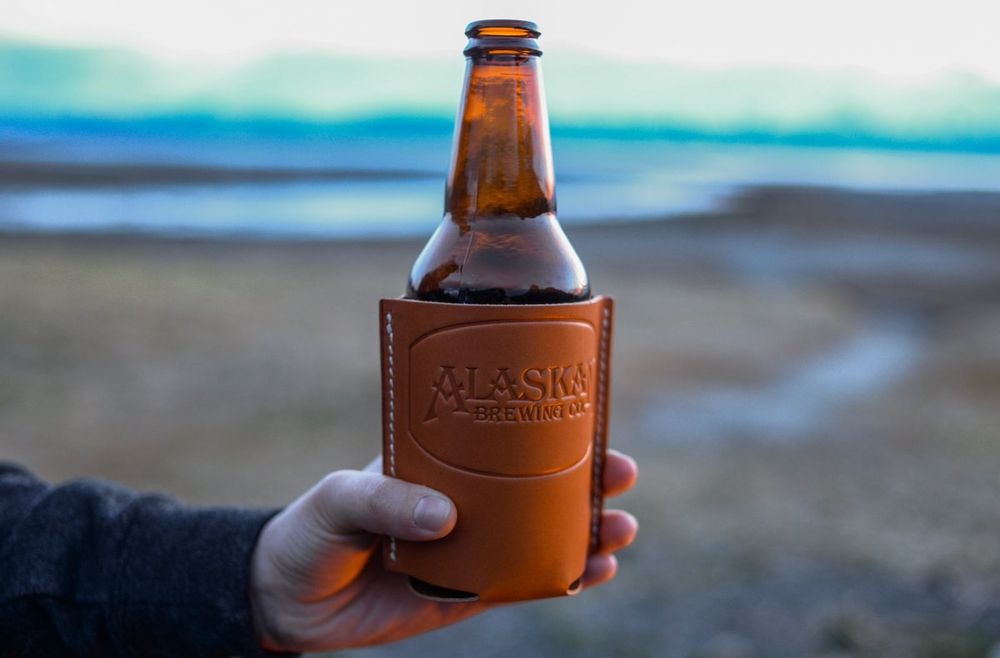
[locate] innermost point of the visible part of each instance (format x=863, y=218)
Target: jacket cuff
x=181, y=586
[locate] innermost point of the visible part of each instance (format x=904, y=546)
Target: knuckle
x=334, y=485
x=326, y=501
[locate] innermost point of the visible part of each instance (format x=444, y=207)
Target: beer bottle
x=498, y=397
x=499, y=241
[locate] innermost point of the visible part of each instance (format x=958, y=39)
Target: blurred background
x=797, y=206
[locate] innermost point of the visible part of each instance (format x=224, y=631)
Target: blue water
x=600, y=178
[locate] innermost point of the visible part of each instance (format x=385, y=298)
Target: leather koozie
x=505, y=410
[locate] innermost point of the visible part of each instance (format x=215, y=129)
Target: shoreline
x=29, y=174
x=757, y=207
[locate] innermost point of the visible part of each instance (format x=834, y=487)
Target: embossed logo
x=508, y=398
x=504, y=395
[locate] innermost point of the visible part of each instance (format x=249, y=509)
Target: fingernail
x=431, y=513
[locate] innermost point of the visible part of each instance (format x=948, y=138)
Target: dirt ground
x=810, y=380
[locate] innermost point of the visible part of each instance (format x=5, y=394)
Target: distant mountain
x=588, y=95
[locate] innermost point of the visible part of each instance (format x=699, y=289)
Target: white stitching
x=392, y=414
x=596, y=485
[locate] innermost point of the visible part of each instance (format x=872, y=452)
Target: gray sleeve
x=91, y=568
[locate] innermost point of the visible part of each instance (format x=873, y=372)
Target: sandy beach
x=809, y=379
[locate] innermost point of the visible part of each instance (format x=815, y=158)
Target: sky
x=911, y=72
x=900, y=39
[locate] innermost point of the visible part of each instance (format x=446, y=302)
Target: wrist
x=262, y=596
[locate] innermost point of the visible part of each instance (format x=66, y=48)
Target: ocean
x=386, y=178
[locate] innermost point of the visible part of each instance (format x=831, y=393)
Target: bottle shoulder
x=499, y=260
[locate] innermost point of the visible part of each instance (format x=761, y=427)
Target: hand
x=317, y=583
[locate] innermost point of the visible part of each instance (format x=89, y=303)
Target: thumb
x=323, y=540
x=347, y=503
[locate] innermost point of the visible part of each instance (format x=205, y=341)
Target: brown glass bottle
x=499, y=241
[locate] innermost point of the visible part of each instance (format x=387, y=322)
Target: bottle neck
x=502, y=159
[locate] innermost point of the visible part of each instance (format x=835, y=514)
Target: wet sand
x=810, y=379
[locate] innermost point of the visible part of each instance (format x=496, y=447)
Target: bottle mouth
x=502, y=35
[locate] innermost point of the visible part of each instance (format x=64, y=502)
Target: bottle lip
x=502, y=34
x=472, y=29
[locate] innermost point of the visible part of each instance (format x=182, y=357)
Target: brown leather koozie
x=505, y=410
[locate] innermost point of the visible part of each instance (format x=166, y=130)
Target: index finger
x=620, y=473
